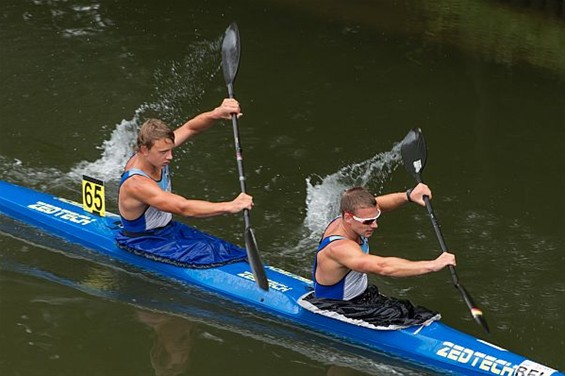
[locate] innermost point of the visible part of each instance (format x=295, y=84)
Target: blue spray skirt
x=436, y=346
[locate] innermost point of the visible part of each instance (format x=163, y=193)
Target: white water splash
x=18, y=172
x=322, y=201
x=322, y=198
x=115, y=153
x=178, y=85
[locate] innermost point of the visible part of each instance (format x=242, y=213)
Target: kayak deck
x=436, y=347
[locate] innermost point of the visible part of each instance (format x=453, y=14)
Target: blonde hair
x=153, y=130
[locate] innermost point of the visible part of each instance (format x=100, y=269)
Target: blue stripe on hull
x=436, y=347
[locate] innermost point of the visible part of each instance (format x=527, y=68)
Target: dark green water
x=327, y=89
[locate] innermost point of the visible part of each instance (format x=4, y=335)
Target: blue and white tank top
x=151, y=218
x=350, y=286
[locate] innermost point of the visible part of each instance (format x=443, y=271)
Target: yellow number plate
x=93, y=195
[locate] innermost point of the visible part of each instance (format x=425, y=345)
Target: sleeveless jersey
x=151, y=218
x=350, y=286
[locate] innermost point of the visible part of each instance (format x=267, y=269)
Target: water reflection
x=504, y=34
x=172, y=344
x=77, y=71
x=174, y=338
x=183, y=320
x=507, y=32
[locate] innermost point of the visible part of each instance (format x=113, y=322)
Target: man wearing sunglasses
x=343, y=261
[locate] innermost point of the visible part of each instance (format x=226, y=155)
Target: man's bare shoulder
x=138, y=185
x=137, y=179
x=343, y=247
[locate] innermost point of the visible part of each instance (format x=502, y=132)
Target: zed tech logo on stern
x=491, y=364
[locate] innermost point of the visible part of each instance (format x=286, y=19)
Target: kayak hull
x=437, y=346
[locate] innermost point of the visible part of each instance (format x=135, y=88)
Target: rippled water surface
x=328, y=90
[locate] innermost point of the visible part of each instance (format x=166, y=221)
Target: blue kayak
x=435, y=347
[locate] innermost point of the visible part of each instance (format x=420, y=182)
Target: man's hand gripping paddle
x=414, y=154
x=230, y=63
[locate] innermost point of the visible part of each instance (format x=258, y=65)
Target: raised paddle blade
x=230, y=56
x=414, y=153
x=230, y=64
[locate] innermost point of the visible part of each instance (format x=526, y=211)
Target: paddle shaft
x=466, y=297
x=230, y=65
x=439, y=236
x=414, y=157
x=442, y=244
x=239, y=157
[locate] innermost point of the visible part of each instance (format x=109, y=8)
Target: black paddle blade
x=255, y=259
x=414, y=153
x=230, y=55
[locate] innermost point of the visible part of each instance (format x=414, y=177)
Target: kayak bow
x=436, y=347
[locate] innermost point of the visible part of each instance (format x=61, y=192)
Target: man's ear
x=144, y=150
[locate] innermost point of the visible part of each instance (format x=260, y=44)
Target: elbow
x=388, y=271
x=381, y=268
x=187, y=210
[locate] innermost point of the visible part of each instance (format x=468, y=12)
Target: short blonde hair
x=356, y=198
x=153, y=130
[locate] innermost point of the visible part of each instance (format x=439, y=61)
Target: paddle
x=230, y=63
x=414, y=154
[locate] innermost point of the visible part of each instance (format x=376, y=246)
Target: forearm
x=204, y=209
x=392, y=201
x=398, y=267
x=205, y=120
x=194, y=126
